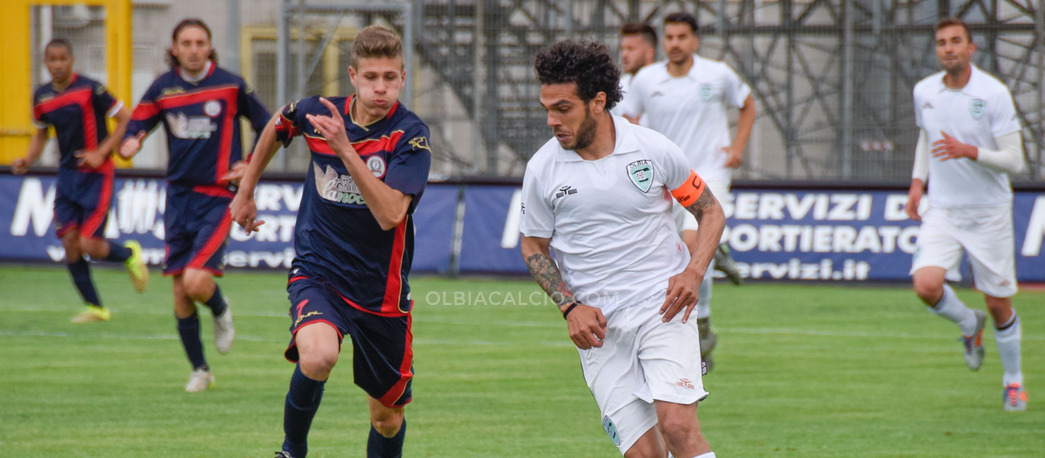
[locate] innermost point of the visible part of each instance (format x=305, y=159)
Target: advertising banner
x=775, y=234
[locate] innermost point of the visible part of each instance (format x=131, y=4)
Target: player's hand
x=682, y=295
x=239, y=169
x=950, y=148
x=332, y=128
x=130, y=146
x=914, y=198
x=587, y=326
x=19, y=166
x=243, y=210
x=735, y=157
x=91, y=158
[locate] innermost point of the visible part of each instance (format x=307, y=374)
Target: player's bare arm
x=745, y=121
x=682, y=288
x=388, y=205
x=96, y=157
x=586, y=324
x=243, y=208
x=36, y=147
x=914, y=199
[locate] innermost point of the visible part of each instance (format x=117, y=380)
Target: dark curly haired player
x=599, y=196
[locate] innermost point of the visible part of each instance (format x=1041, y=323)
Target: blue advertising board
x=775, y=234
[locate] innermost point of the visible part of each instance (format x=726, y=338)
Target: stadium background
x=816, y=199
x=803, y=370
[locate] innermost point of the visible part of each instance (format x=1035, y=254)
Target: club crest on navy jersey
x=977, y=107
x=212, y=108
x=641, y=174
x=376, y=164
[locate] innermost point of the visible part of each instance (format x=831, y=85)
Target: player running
x=970, y=129
x=599, y=195
x=200, y=105
x=354, y=240
x=76, y=107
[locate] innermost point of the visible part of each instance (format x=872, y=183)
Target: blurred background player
x=77, y=106
x=686, y=98
x=968, y=145
x=638, y=48
x=619, y=296
x=200, y=105
x=354, y=240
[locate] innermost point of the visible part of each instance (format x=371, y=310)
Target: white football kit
x=970, y=206
x=692, y=111
x=612, y=235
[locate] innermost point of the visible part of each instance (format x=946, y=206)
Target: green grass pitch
x=801, y=370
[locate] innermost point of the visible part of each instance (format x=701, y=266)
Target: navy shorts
x=197, y=224
x=382, y=350
x=82, y=201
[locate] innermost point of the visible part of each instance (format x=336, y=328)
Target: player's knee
x=198, y=287
x=317, y=364
x=387, y=424
x=678, y=430
x=928, y=290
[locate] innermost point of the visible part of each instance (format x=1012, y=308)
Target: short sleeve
x=674, y=165
x=1004, y=119
x=251, y=108
x=409, y=164
x=104, y=100
x=39, y=118
x=537, y=218
x=286, y=127
x=738, y=89
x=631, y=105
x=917, y=109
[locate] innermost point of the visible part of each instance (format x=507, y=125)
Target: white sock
x=704, y=295
x=953, y=309
x=1008, y=340
x=706, y=455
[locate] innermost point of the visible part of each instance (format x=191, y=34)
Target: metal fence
x=832, y=78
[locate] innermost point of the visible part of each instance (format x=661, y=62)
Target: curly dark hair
x=586, y=63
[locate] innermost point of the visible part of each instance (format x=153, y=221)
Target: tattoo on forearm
x=705, y=201
x=547, y=275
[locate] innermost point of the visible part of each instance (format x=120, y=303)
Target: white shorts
x=685, y=221
x=985, y=234
x=642, y=359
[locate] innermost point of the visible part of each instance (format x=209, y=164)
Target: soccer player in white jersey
x=968, y=145
x=599, y=197
x=686, y=98
x=638, y=48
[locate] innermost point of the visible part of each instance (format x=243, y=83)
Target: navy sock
x=117, y=253
x=189, y=330
x=216, y=302
x=302, y=402
x=81, y=272
x=378, y=446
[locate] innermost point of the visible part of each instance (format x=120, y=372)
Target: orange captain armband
x=690, y=190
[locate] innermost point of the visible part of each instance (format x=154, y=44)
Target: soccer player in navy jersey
x=354, y=240
x=200, y=105
x=76, y=107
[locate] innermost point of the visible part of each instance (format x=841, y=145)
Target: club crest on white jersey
x=641, y=174
x=977, y=107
